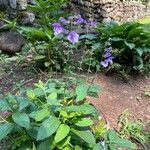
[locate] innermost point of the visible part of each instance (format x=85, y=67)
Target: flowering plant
x=74, y=22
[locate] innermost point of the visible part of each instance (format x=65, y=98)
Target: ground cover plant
x=133, y=130
x=56, y=115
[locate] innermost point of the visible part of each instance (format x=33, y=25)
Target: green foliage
x=46, y=113
x=133, y=130
x=51, y=116
x=49, y=51
x=114, y=141
x=131, y=45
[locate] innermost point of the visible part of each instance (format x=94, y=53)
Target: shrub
x=55, y=115
x=130, y=44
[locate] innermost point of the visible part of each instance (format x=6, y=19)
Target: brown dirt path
x=117, y=96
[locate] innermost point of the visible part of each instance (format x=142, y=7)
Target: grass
x=145, y=20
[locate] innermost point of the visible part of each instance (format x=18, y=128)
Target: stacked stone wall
x=117, y=10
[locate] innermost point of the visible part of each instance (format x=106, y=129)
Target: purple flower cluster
x=107, y=57
x=72, y=36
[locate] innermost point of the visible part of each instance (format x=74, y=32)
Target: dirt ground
x=116, y=96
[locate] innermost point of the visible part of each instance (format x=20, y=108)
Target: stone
x=27, y=18
x=22, y=4
x=11, y=42
x=32, y=2
x=3, y=4
x=13, y=4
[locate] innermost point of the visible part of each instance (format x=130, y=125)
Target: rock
x=12, y=13
x=11, y=41
x=13, y=4
x=3, y=4
x=1, y=25
x=22, y=4
x=27, y=18
x=32, y=2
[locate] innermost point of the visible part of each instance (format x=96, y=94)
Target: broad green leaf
x=81, y=92
x=62, y=132
x=23, y=102
x=30, y=93
x=116, y=140
x=52, y=99
x=98, y=147
x=130, y=45
x=139, y=51
x=94, y=90
x=53, y=96
x=38, y=57
x=84, y=122
x=123, y=143
x=88, y=36
x=39, y=115
x=48, y=127
x=21, y=119
x=112, y=147
x=4, y=106
x=112, y=135
x=78, y=147
x=5, y=129
x=47, y=144
x=85, y=109
x=86, y=136
x=64, y=142
x=33, y=132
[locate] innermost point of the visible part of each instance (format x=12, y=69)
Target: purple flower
x=79, y=20
x=109, y=49
x=107, y=55
x=63, y=20
x=58, y=29
x=105, y=63
x=108, y=59
x=93, y=23
x=73, y=37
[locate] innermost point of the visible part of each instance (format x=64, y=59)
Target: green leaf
x=88, y=36
x=38, y=57
x=30, y=93
x=119, y=142
x=48, y=127
x=139, y=51
x=39, y=115
x=86, y=136
x=23, y=102
x=112, y=135
x=85, y=109
x=84, y=122
x=94, y=90
x=52, y=99
x=98, y=147
x=130, y=45
x=78, y=147
x=4, y=106
x=62, y=132
x=81, y=92
x=124, y=143
x=21, y=119
x=5, y=129
x=47, y=144
x=64, y=143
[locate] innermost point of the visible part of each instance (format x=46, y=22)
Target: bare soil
x=116, y=96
